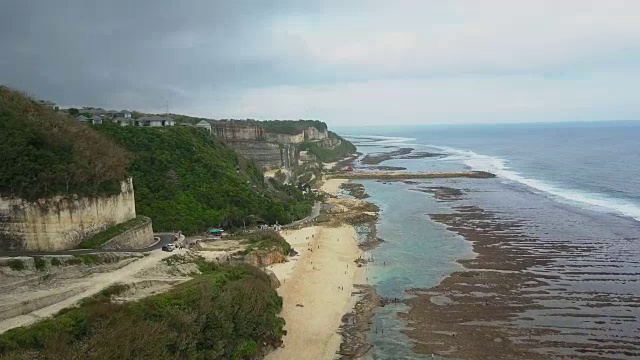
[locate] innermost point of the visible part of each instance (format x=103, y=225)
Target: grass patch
x=102, y=237
x=89, y=259
x=266, y=240
x=205, y=267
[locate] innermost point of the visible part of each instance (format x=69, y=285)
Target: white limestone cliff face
x=61, y=222
x=239, y=132
x=311, y=133
x=269, y=150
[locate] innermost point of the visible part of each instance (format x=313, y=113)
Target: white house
x=82, y=118
x=154, y=121
x=123, y=114
x=95, y=120
x=203, y=124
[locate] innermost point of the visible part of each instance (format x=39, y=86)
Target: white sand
x=321, y=278
x=332, y=186
x=314, y=280
x=299, y=242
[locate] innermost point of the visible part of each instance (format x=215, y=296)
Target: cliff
x=59, y=223
x=60, y=180
x=263, y=258
x=273, y=144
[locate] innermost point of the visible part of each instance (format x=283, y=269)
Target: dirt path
x=90, y=285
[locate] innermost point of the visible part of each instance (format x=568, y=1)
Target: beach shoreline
x=319, y=286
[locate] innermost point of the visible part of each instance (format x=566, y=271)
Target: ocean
x=560, y=225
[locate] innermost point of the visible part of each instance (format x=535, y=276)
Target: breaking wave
x=588, y=200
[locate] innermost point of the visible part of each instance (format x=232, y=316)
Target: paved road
x=165, y=238
x=315, y=211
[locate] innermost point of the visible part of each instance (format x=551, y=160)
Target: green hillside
x=45, y=153
x=346, y=148
x=185, y=179
x=225, y=313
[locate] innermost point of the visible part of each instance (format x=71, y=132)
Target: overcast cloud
x=363, y=62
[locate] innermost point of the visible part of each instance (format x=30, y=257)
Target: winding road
x=165, y=238
x=315, y=211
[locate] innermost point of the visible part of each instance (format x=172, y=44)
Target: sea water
x=578, y=182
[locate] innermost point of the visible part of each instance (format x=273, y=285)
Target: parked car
x=169, y=247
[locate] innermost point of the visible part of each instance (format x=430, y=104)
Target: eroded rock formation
x=267, y=148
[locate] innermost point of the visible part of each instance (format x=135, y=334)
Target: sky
x=350, y=62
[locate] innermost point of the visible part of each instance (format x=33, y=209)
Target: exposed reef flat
x=421, y=155
x=357, y=323
x=385, y=168
x=525, y=296
x=374, y=159
x=355, y=190
x=389, y=175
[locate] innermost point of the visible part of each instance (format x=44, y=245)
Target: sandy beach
x=321, y=279
x=332, y=186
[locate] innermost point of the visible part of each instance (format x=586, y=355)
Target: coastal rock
x=262, y=258
x=357, y=323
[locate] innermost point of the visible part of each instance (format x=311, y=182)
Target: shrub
x=40, y=263
x=113, y=290
x=55, y=262
x=226, y=314
x=16, y=264
x=267, y=240
x=102, y=237
x=90, y=259
x=74, y=261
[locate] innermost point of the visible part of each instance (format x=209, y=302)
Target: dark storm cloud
x=135, y=53
x=365, y=60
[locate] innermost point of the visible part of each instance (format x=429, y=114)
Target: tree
x=73, y=111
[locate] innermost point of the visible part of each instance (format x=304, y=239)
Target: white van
x=169, y=247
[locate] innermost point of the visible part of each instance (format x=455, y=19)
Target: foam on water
x=377, y=139
x=500, y=168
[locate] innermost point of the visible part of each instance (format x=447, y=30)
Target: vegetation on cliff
x=325, y=155
x=99, y=239
x=267, y=240
x=187, y=180
x=290, y=127
x=228, y=312
x=45, y=153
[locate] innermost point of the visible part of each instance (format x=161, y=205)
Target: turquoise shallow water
x=416, y=253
